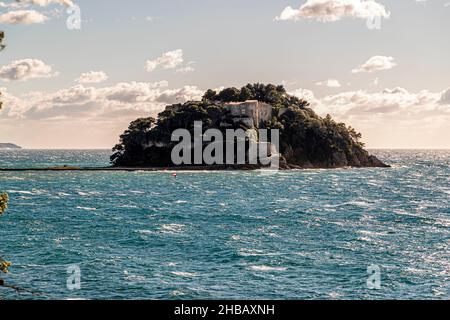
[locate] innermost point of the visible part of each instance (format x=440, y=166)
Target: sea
x=371, y=233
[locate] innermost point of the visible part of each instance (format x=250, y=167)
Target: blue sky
x=398, y=99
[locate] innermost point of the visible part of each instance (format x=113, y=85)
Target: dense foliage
x=2, y=36
x=311, y=141
x=139, y=143
x=306, y=139
x=272, y=94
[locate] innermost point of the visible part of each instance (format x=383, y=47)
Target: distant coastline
x=9, y=146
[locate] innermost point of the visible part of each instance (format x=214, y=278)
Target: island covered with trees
x=306, y=140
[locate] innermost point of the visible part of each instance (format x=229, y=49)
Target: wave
x=144, y=231
x=254, y=253
x=172, y=228
x=86, y=208
x=373, y=233
x=267, y=268
x=20, y=192
x=128, y=206
x=133, y=278
x=184, y=274
x=362, y=204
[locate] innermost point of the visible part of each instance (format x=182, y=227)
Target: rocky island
x=9, y=146
x=306, y=140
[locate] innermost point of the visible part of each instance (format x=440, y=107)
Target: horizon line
x=105, y=148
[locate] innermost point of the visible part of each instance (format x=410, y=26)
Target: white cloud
x=445, y=97
x=376, y=63
x=158, y=92
x=307, y=95
x=330, y=83
x=74, y=95
x=288, y=83
x=22, y=17
x=122, y=101
x=14, y=5
x=132, y=92
x=334, y=10
x=151, y=19
x=186, y=93
x=186, y=69
x=386, y=101
x=21, y=14
x=22, y=70
x=168, y=60
x=45, y=3
x=92, y=77
x=387, y=118
x=393, y=118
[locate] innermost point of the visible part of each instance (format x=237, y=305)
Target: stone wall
x=258, y=111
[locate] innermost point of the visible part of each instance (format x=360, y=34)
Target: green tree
x=133, y=140
x=270, y=93
x=246, y=94
x=210, y=95
x=2, y=36
x=229, y=95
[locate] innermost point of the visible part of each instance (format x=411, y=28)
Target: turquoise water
x=222, y=235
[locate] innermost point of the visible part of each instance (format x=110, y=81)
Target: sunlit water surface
x=224, y=235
